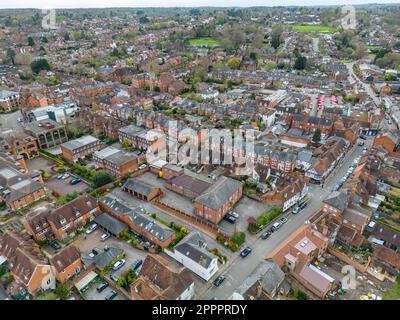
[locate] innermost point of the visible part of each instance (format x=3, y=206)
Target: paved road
x=366, y=86
x=238, y=269
x=9, y=120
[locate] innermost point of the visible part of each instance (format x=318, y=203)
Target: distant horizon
x=147, y=4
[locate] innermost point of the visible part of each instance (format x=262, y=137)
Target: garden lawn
x=209, y=42
x=313, y=28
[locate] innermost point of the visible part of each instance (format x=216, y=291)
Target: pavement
x=238, y=269
x=9, y=121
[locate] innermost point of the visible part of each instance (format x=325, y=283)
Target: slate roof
x=219, y=193
x=80, y=142
x=139, y=217
x=338, y=200
x=268, y=273
x=110, y=223
x=194, y=247
x=139, y=186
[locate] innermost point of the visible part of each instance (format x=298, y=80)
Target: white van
x=276, y=226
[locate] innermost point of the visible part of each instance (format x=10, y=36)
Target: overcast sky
x=174, y=3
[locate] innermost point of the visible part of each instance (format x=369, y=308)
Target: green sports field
x=312, y=28
x=210, y=42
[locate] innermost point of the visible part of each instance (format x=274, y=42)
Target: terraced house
x=64, y=221
x=18, y=190
x=29, y=267
x=139, y=221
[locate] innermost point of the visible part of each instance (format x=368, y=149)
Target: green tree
x=66, y=36
x=61, y=291
x=276, y=36
x=316, y=138
x=31, y=43
x=234, y=63
x=101, y=178
x=300, y=62
x=39, y=65
x=11, y=55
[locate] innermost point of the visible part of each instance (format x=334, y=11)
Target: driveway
x=246, y=208
x=93, y=241
x=63, y=187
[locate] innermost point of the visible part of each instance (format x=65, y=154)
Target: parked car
x=75, y=181
x=217, y=282
x=65, y=176
x=230, y=218
x=136, y=264
x=104, y=236
x=142, y=166
x=60, y=176
x=234, y=214
x=283, y=220
x=102, y=286
x=276, y=225
x=361, y=143
x=246, y=251
x=296, y=210
x=111, y=295
x=118, y=265
x=113, y=278
x=265, y=235
x=363, y=137
x=91, y=228
x=303, y=205
x=55, y=245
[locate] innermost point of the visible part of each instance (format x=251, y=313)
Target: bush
x=298, y=294
x=62, y=292
x=239, y=238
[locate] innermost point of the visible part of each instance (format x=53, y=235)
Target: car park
x=92, y=228
x=136, y=264
x=361, y=143
x=111, y=295
x=119, y=264
x=246, y=251
x=363, y=137
x=217, y=282
x=104, y=236
x=265, y=235
x=102, y=286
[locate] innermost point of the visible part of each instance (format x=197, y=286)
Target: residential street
x=238, y=269
x=366, y=87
